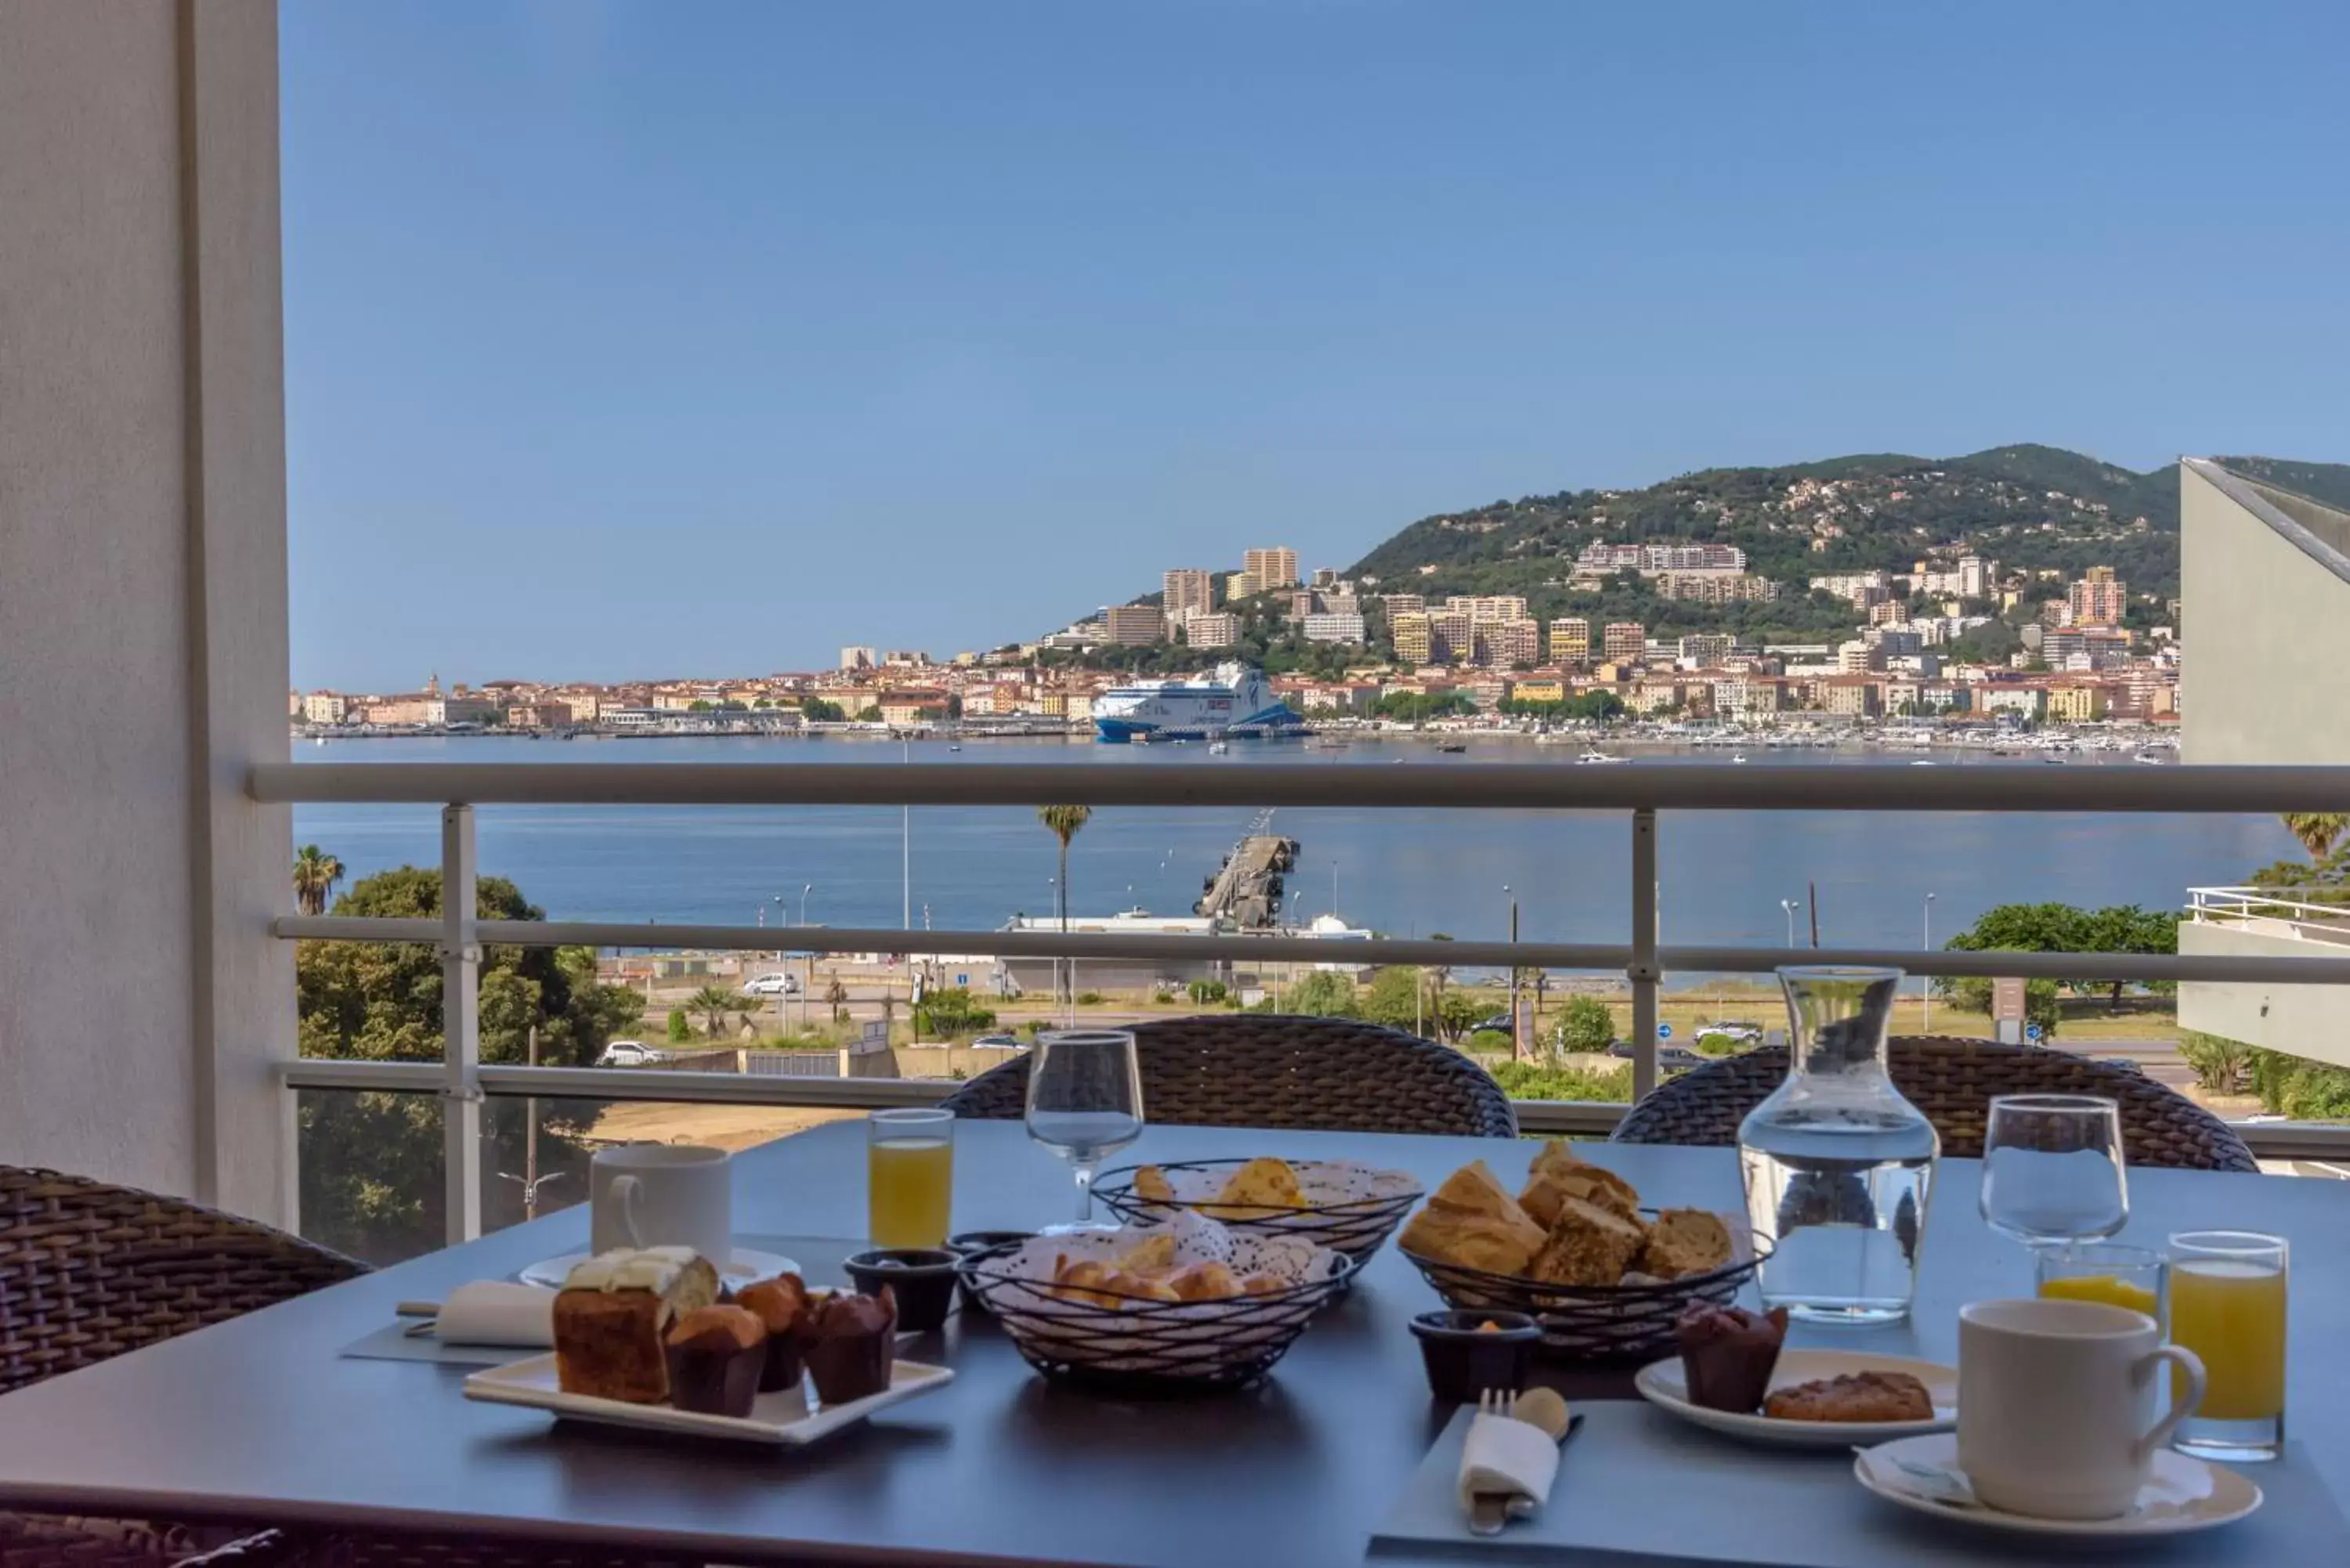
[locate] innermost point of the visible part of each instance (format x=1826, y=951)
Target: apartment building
x=1184, y=589
x=1487, y=608
x=325, y=707
x=859, y=658
x=1626, y=642
x=1570, y=640
x=1404, y=604
x=1852, y=696
x=1452, y=636
x=1716, y=587
x=1334, y=625
x=1217, y=629
x=1415, y=637
x=1861, y=590
x=1133, y=626
x=1650, y=560
x=2098, y=598
x=1272, y=567
x=1504, y=644
x=1704, y=650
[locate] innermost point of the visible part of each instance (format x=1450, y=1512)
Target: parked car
x=2127, y=1063
x=1744, y=1033
x=1498, y=1024
x=1674, y=1059
x=998, y=1042
x=777, y=983
x=629, y=1054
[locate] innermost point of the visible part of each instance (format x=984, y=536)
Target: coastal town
x=1941, y=641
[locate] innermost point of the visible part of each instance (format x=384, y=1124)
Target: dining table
x=266, y=1420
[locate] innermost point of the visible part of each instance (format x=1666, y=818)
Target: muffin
x=1728, y=1354
x=849, y=1344
x=782, y=1304
x=715, y=1357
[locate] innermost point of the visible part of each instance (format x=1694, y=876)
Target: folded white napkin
x=496, y=1312
x=1509, y=1459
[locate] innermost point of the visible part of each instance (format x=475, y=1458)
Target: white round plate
x=745, y=1264
x=1662, y=1385
x=2184, y=1494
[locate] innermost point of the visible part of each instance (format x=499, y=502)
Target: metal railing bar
x=1583, y=1118
x=2283, y=971
x=1487, y=785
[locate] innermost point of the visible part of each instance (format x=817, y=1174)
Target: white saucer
x=2184, y=1494
x=1662, y=1384
x=745, y=1264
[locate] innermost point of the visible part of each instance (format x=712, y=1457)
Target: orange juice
x=2105, y=1288
x=910, y=1186
x=2231, y=1314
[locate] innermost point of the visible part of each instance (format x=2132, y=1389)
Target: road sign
x=962, y=980
x=1664, y=1030
x=2032, y=1031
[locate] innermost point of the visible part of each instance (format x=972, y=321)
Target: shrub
x=1491, y=1040
x=680, y=1032
x=1204, y=992
x=1525, y=1081
x=1585, y=1025
x=1321, y=995
x=1089, y=999
x=1714, y=1044
x=2221, y=1065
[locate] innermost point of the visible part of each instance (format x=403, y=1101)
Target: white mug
x=2056, y=1404
x=662, y=1195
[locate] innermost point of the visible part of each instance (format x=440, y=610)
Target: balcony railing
x=2260, y=910
x=464, y=1081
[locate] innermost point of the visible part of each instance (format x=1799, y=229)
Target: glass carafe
x=1838, y=1167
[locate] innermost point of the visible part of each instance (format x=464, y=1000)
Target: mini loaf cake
x=851, y=1341
x=782, y=1304
x=716, y=1354
x=613, y=1313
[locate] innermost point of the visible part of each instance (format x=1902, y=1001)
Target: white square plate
x=789, y=1417
x=1663, y=1385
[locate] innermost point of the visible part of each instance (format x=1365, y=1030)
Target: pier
x=1246, y=889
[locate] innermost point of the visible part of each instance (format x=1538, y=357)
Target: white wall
x=143, y=597
x=2267, y=632
x=2307, y=1021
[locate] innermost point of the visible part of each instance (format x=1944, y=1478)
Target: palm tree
x=2317, y=830
x=713, y=1002
x=1064, y=821
x=837, y=995
x=315, y=872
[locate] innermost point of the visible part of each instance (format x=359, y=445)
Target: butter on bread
x=1472, y=1221
x=1588, y=1245
x=1684, y=1241
x=1261, y=1190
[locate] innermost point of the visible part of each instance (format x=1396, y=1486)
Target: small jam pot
x=969, y=1244
x=922, y=1279
x=1465, y=1357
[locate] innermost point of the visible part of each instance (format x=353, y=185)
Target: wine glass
x=1085, y=1101
x=2053, y=1169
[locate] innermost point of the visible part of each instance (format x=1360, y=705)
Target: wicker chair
x=1255, y=1070
x=1952, y=1081
x=89, y=1270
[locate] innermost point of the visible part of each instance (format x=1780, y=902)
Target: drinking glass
x=910, y=1176
x=2053, y=1169
x=2133, y=1277
x=1084, y=1102
x=2226, y=1305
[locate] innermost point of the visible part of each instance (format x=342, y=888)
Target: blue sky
x=638, y=339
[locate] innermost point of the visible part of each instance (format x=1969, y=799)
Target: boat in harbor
x=1235, y=702
x=1597, y=756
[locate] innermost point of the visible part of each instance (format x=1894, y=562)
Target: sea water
x=1840, y=1195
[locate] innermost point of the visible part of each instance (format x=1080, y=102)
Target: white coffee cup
x=2056, y=1404
x=662, y=1195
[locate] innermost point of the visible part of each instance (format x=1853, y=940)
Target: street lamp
x=806, y=889
x=1514, y=1043
x=1789, y=906
x=1925, y=983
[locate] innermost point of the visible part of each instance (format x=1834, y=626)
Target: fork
x=1489, y=1511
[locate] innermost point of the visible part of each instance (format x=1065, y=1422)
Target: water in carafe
x=1838, y=1167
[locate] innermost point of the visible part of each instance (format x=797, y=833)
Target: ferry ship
x=1234, y=702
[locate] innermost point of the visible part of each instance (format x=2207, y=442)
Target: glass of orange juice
x=2107, y=1272
x=910, y=1176
x=2226, y=1305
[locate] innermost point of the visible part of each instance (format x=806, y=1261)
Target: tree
x=836, y=996
x=372, y=1163
x=2058, y=929
x=2221, y=1065
x=679, y=1030
x=714, y=1002
x=1325, y=993
x=1395, y=998
x=868, y=714
x=2317, y=830
x=1204, y=992
x=316, y=873
x=818, y=710
x=1065, y=823
x=1584, y=1025
x=1457, y=1013
x=952, y=1011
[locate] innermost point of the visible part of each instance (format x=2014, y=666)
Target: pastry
x=1262, y=1189
x=1085, y=1281
x=716, y=1356
x=1472, y=1221
x=1263, y=1285
x=782, y=1304
x=613, y=1313
x=1152, y=1255
x=1151, y=1185
x=1587, y=1245
x=1684, y=1241
x=1855, y=1396
x=850, y=1343
x=1728, y=1353
x=1204, y=1283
